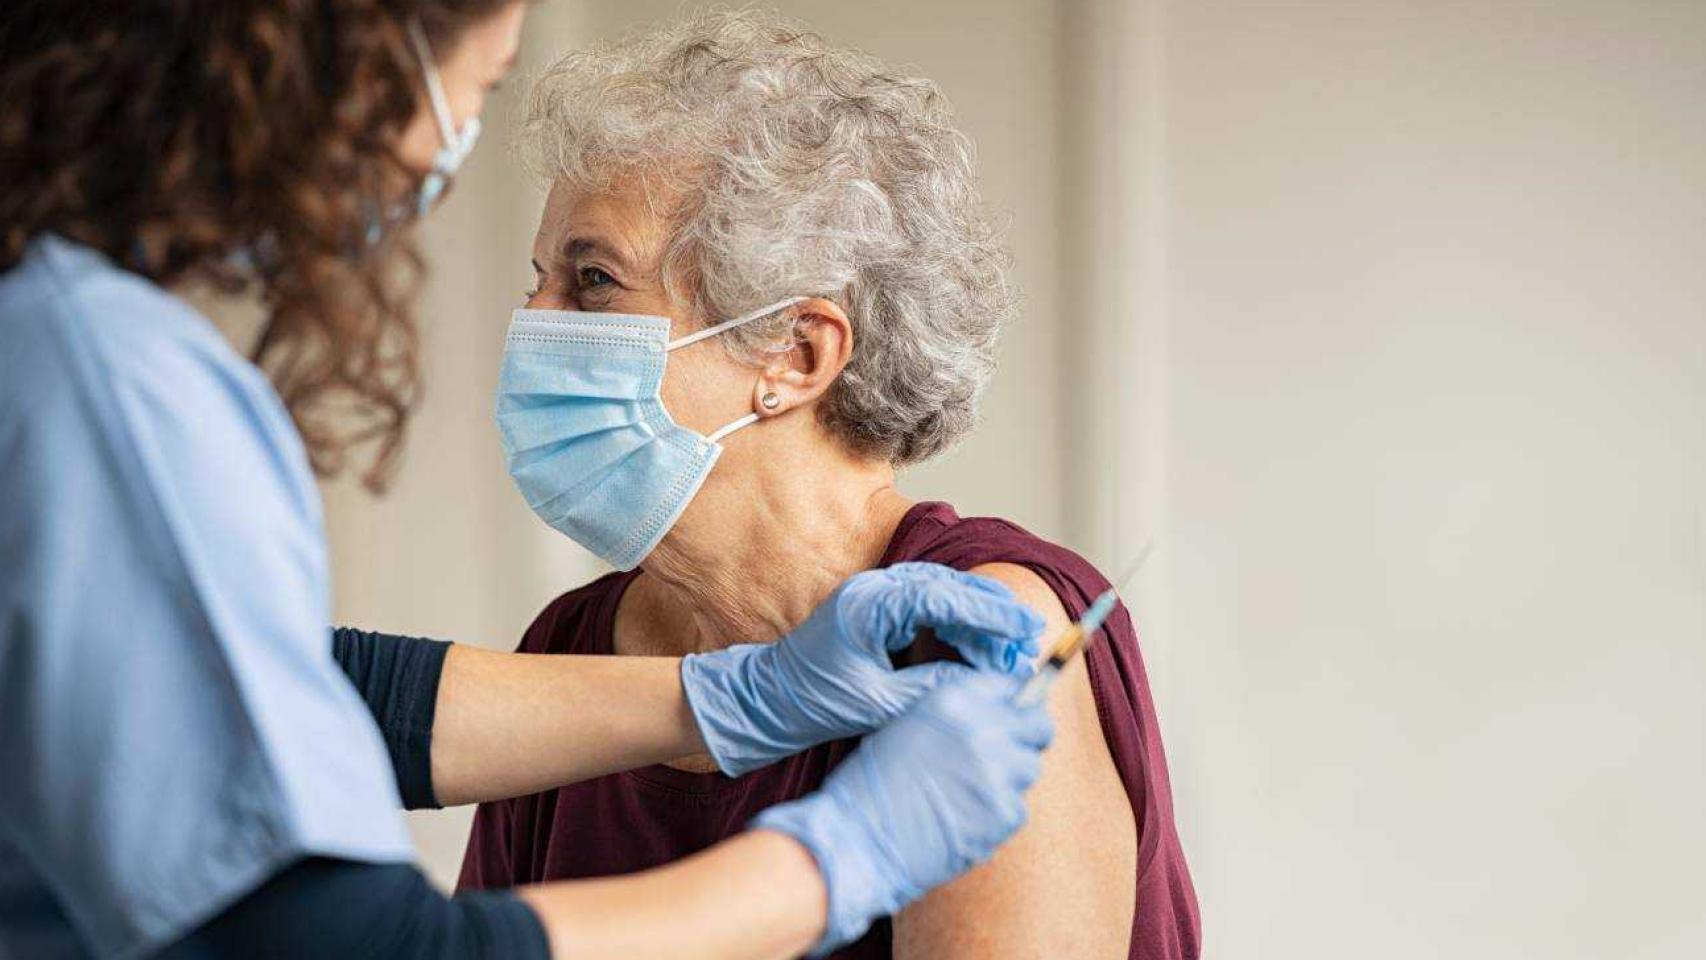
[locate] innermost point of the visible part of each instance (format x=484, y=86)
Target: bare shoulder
x=1065, y=884
x=1030, y=588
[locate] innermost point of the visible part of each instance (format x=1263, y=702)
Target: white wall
x=1435, y=366
x=1387, y=319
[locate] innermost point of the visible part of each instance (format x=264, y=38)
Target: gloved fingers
x=1016, y=817
x=912, y=683
x=990, y=630
x=1011, y=736
x=982, y=696
x=1033, y=727
x=1017, y=658
x=1024, y=770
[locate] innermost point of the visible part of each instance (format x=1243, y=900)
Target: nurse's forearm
x=509, y=724
x=755, y=896
x=464, y=725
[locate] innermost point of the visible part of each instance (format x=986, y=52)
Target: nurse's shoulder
x=91, y=351
x=65, y=307
x=62, y=293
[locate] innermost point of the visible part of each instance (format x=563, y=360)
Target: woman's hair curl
x=247, y=144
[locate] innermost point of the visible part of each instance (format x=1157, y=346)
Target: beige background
x=1389, y=320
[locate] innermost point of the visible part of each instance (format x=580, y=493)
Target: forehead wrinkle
x=619, y=223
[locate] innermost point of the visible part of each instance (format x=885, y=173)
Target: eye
x=591, y=278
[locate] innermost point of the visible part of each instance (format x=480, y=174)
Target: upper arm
x=172, y=725
x=1064, y=885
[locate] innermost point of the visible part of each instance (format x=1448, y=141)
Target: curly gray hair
x=804, y=169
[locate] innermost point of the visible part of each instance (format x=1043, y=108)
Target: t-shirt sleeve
x=173, y=728
x=398, y=679
x=338, y=910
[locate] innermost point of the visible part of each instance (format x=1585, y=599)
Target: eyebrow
x=581, y=246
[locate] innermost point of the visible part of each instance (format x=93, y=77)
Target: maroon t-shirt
x=651, y=816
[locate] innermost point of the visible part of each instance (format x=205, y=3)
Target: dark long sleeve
x=398, y=677
x=343, y=910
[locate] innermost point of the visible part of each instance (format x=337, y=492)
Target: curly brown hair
x=245, y=144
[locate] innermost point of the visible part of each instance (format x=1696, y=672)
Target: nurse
x=186, y=768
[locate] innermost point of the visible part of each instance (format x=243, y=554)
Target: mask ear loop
x=727, y=325
x=435, y=86
x=729, y=428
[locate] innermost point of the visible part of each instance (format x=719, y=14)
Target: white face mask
x=457, y=145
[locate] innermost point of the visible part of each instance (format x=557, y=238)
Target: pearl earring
x=770, y=401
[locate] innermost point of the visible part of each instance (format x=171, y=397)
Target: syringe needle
x=1078, y=635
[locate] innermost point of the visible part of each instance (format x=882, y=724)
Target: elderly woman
x=766, y=283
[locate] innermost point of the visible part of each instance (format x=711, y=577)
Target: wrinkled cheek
x=699, y=395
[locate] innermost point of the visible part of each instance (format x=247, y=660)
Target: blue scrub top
x=173, y=728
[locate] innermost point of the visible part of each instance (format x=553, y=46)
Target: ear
x=823, y=343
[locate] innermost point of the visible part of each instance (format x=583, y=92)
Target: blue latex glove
x=920, y=801
x=831, y=677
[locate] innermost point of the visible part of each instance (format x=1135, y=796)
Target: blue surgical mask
x=456, y=145
x=585, y=432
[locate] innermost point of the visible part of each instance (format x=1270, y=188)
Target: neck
x=748, y=564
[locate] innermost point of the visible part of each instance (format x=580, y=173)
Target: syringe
x=1077, y=636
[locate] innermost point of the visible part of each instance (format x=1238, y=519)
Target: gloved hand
x=920, y=801
x=832, y=678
